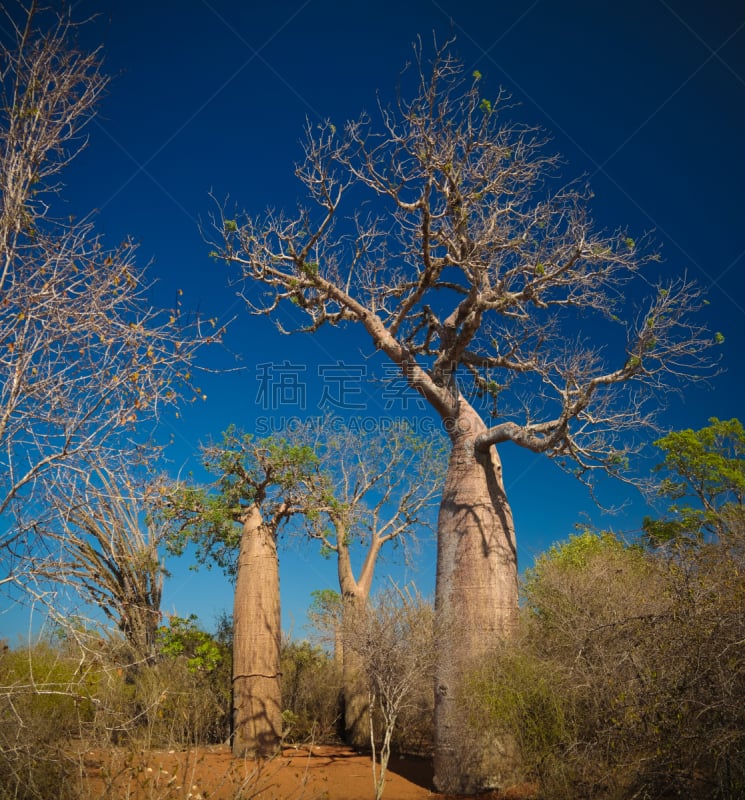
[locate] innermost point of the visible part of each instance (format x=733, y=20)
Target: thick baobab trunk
x=476, y=604
x=257, y=698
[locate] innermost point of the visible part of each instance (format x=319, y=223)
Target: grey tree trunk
x=257, y=698
x=354, y=686
x=355, y=595
x=476, y=605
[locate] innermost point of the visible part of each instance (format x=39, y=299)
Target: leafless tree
x=475, y=275
x=110, y=536
x=395, y=642
x=382, y=489
x=84, y=358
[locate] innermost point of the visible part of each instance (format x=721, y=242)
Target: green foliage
x=183, y=637
x=704, y=474
x=270, y=473
x=325, y=602
x=521, y=695
x=576, y=552
x=230, y=225
x=310, y=268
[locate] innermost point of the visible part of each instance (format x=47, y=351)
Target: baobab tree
x=261, y=485
x=473, y=273
x=84, y=358
x=379, y=490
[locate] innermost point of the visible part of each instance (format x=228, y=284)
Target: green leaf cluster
x=703, y=473
x=184, y=638
x=249, y=471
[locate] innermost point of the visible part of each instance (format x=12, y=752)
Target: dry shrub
x=44, y=700
x=628, y=677
x=311, y=693
x=162, y=705
x=79, y=690
x=182, y=698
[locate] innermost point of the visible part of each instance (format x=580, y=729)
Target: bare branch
x=84, y=358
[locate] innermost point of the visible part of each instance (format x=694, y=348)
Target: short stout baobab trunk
x=257, y=698
x=476, y=603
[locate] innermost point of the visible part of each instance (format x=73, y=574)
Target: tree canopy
x=703, y=473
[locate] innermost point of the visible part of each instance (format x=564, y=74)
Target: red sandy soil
x=210, y=773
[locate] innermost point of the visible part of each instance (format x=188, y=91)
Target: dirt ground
x=309, y=773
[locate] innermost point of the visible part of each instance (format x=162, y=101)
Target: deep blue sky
x=646, y=97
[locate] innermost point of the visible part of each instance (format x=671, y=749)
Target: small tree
x=707, y=467
x=395, y=642
x=475, y=275
x=261, y=484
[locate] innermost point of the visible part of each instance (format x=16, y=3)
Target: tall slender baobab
x=261, y=484
x=380, y=491
x=473, y=275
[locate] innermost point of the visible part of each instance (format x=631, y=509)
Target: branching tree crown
x=472, y=270
x=373, y=489
x=704, y=475
x=272, y=474
x=84, y=358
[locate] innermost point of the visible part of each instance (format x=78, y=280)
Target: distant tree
x=83, y=356
x=474, y=275
x=380, y=489
x=260, y=485
x=325, y=615
x=706, y=467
